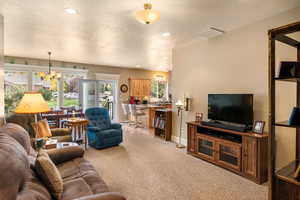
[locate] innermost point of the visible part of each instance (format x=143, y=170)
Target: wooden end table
x=78, y=126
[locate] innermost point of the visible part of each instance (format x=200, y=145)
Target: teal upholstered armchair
x=100, y=131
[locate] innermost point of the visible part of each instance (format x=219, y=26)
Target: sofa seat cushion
x=80, y=168
x=76, y=188
x=111, y=133
x=34, y=189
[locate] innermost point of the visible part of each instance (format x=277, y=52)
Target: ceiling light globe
x=147, y=16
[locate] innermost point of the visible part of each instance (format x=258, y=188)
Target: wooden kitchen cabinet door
x=140, y=87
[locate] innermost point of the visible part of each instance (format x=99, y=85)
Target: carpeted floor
x=144, y=167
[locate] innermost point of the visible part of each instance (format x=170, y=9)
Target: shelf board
x=286, y=124
x=287, y=173
x=288, y=79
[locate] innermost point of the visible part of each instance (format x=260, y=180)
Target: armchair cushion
x=110, y=133
x=62, y=134
x=41, y=129
x=61, y=131
x=59, y=156
x=93, y=129
x=116, y=126
x=98, y=117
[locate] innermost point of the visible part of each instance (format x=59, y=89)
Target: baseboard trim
x=176, y=140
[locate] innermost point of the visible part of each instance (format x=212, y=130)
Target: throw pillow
x=42, y=129
x=49, y=174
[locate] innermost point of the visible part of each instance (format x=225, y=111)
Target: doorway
x=100, y=93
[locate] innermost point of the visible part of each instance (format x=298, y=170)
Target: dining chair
x=137, y=114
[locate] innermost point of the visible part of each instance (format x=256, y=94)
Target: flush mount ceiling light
x=71, y=11
x=147, y=16
x=167, y=34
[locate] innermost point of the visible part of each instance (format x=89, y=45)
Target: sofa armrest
x=65, y=154
x=116, y=126
x=61, y=132
x=104, y=196
x=93, y=128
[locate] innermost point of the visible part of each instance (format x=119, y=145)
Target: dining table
x=56, y=119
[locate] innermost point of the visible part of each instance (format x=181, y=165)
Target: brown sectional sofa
x=18, y=179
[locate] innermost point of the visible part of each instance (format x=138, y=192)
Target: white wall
x=1, y=69
x=236, y=62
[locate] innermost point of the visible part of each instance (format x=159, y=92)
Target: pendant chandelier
x=147, y=16
x=50, y=75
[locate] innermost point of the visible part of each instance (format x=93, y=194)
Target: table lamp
x=180, y=106
x=32, y=103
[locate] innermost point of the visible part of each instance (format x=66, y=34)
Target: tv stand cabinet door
x=250, y=156
x=205, y=147
x=229, y=155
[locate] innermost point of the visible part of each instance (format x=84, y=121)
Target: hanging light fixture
x=50, y=75
x=147, y=16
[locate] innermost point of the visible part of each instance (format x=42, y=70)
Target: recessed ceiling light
x=138, y=66
x=167, y=34
x=71, y=11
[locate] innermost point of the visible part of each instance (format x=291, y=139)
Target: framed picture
x=124, y=88
x=258, y=127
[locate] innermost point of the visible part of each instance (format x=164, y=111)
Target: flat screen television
x=234, y=108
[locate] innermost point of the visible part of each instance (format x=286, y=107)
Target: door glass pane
x=71, y=89
x=48, y=88
x=106, y=96
x=204, y=146
x=228, y=154
x=15, y=84
x=88, y=94
x=228, y=149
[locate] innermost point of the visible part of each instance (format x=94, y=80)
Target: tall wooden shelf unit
x=282, y=185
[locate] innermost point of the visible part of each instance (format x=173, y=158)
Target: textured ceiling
x=105, y=31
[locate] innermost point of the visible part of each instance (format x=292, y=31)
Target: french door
x=99, y=93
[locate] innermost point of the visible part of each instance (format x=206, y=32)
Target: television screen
x=235, y=108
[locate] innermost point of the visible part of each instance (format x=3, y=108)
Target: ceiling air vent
x=211, y=32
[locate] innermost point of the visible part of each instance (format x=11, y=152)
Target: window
x=71, y=89
x=48, y=88
x=15, y=84
x=21, y=78
x=159, y=89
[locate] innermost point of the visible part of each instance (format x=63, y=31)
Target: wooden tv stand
x=244, y=153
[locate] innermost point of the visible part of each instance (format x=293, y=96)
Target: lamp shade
x=179, y=103
x=32, y=103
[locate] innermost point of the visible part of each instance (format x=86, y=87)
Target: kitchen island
x=150, y=109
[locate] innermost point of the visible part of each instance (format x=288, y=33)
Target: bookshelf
x=162, y=123
x=282, y=184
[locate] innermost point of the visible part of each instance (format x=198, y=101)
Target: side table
x=78, y=126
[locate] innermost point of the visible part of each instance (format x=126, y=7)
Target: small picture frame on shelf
x=258, y=127
x=199, y=117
